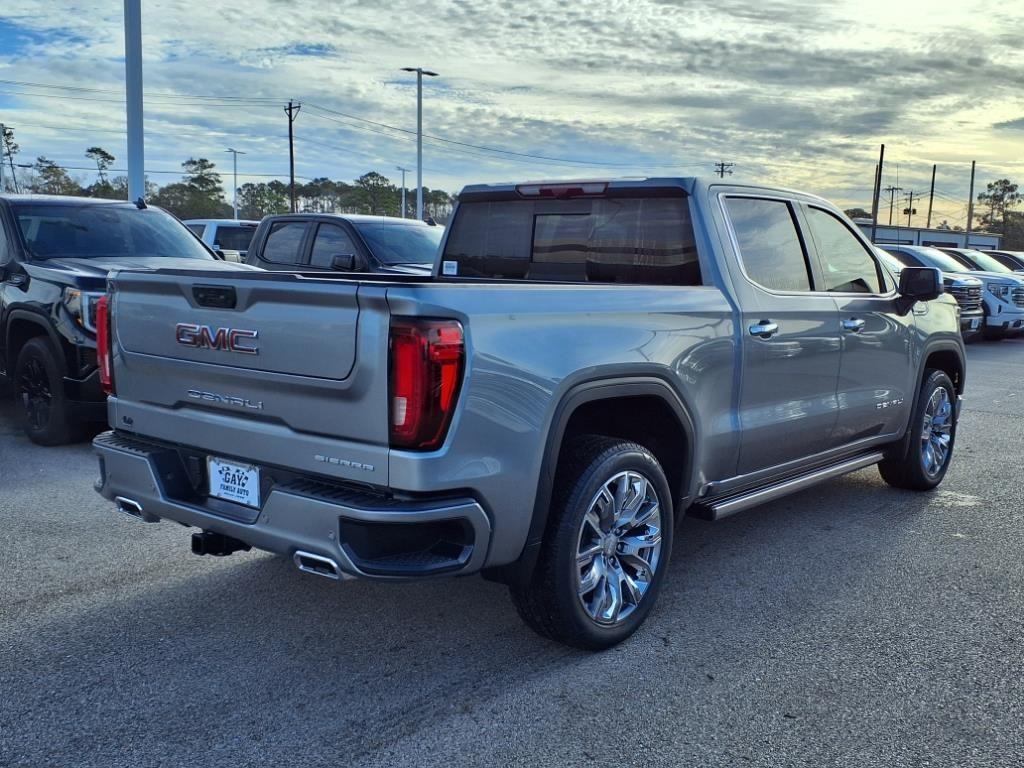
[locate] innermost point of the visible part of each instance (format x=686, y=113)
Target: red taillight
x=427, y=359
x=104, y=345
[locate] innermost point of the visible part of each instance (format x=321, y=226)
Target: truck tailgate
x=265, y=366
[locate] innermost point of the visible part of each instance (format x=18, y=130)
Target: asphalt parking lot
x=851, y=624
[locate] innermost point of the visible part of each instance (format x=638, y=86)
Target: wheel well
x=644, y=419
x=950, y=362
x=19, y=332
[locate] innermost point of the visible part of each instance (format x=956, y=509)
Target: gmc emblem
x=225, y=339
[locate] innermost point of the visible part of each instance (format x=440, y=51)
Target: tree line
x=200, y=192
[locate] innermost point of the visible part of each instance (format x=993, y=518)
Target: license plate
x=239, y=483
x=975, y=322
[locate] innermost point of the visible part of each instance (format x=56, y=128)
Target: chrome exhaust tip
x=317, y=565
x=134, y=510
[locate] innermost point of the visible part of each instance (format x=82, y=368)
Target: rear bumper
x=366, y=535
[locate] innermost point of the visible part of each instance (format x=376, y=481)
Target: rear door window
x=846, y=264
x=234, y=238
x=606, y=240
x=284, y=243
x=770, y=249
x=330, y=241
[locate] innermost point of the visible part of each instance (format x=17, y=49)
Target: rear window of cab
x=639, y=240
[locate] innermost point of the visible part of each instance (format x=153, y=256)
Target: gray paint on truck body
x=757, y=410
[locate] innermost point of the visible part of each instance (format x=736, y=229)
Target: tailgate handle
x=215, y=296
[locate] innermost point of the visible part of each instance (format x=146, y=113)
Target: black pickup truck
x=315, y=242
x=55, y=255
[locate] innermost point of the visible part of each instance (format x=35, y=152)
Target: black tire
x=552, y=604
x=39, y=394
x=988, y=333
x=993, y=335
x=910, y=471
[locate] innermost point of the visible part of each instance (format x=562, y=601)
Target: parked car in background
x=1004, y=291
x=228, y=237
x=1011, y=259
x=585, y=363
x=345, y=243
x=956, y=279
x=55, y=255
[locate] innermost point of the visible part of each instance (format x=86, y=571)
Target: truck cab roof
x=556, y=188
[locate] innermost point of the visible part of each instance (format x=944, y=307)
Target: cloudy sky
x=793, y=92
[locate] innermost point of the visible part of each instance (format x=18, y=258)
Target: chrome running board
x=716, y=509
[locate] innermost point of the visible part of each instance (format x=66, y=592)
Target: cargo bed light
x=573, y=189
x=427, y=358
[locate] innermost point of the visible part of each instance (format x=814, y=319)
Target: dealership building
x=937, y=238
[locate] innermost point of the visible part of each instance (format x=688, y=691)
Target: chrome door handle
x=853, y=325
x=764, y=329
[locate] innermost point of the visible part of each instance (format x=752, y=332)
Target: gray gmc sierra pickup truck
x=588, y=362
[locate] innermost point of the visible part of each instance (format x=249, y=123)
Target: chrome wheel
x=936, y=432
x=618, y=548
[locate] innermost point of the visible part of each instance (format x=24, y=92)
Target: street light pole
x=403, y=170
x=420, y=72
x=133, y=98
x=234, y=195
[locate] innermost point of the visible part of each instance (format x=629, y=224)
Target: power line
x=498, y=150
x=491, y=157
x=453, y=150
x=178, y=172
x=240, y=103
x=158, y=94
x=149, y=100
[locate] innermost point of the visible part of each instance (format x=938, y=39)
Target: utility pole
x=970, y=209
x=892, y=199
x=234, y=195
x=6, y=142
x=877, y=193
x=292, y=110
x=404, y=171
x=931, y=198
x=133, y=98
x=722, y=168
x=420, y=72
x=910, y=207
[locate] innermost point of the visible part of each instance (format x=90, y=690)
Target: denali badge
x=226, y=339
x=213, y=397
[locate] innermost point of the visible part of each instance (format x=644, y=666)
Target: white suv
x=229, y=237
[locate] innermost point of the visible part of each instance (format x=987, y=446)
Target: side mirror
x=920, y=283
x=344, y=262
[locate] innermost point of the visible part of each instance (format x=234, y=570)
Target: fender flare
x=35, y=318
x=902, y=447
x=604, y=388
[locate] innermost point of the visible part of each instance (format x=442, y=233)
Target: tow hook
x=217, y=544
